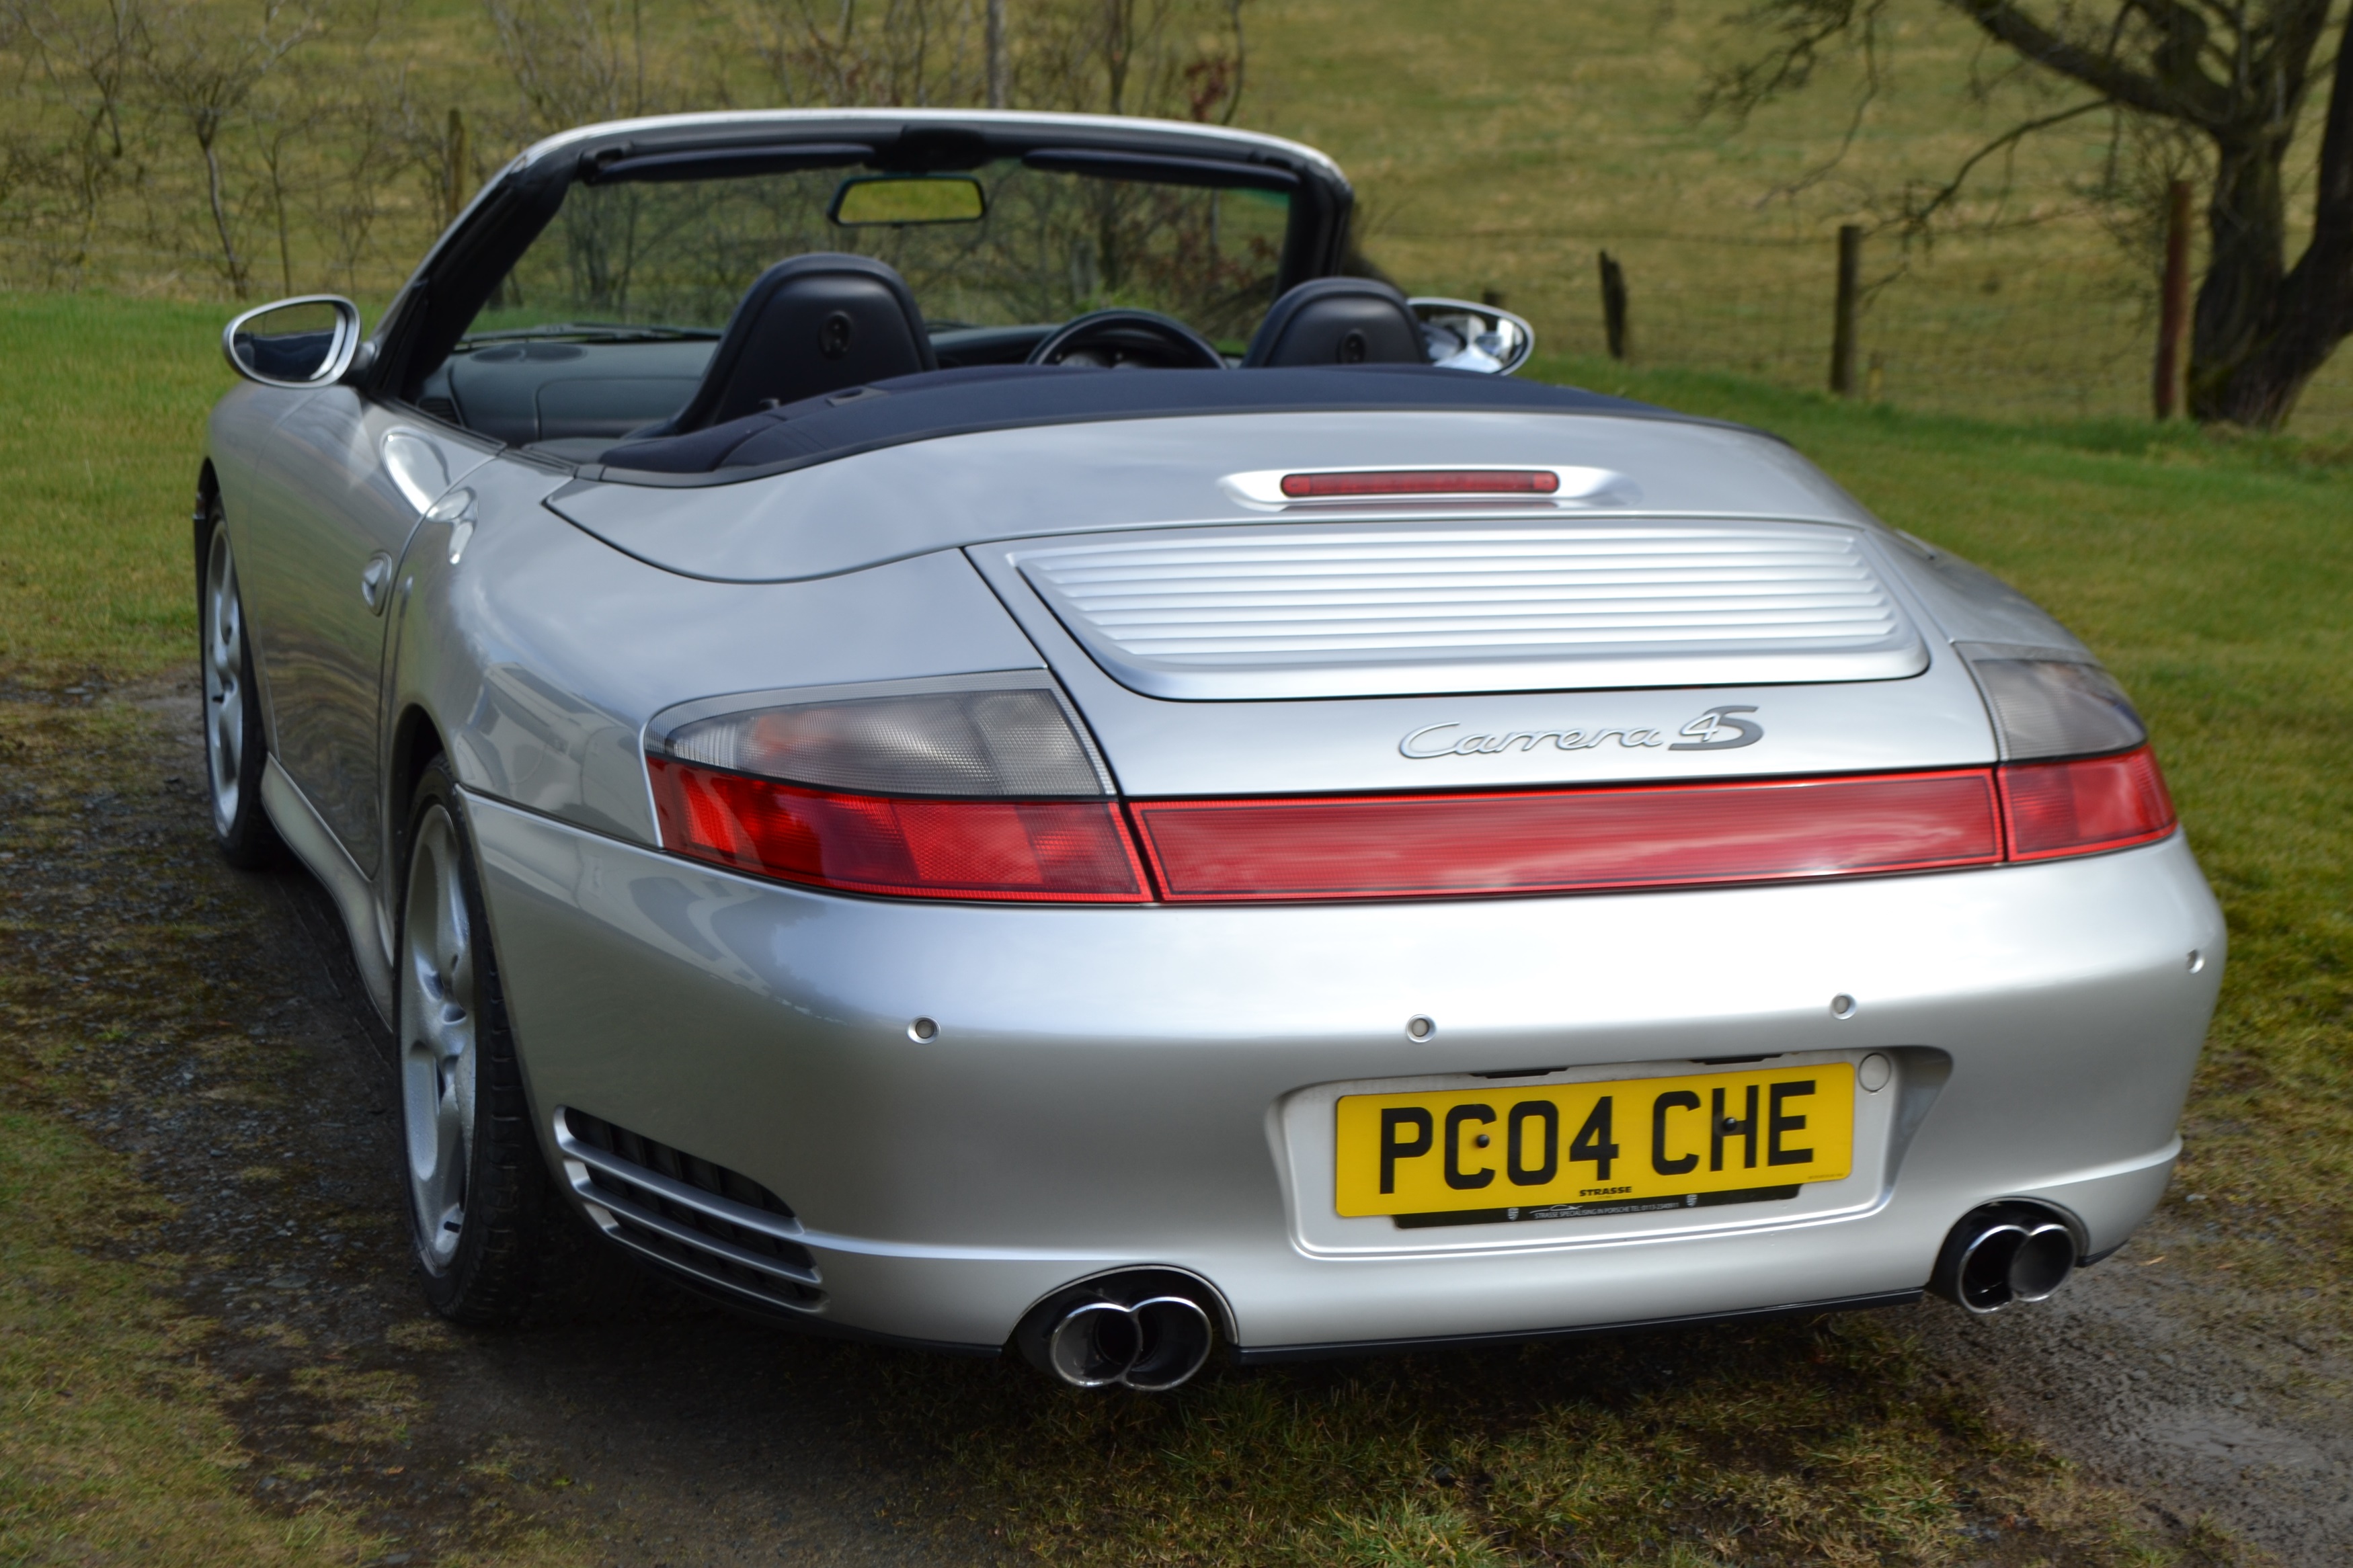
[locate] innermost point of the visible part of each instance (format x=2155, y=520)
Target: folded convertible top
x=995, y=397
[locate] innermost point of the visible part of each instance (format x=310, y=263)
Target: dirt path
x=238, y=1060
x=235, y=1058
x=2206, y=1398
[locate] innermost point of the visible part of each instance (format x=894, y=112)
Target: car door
x=335, y=492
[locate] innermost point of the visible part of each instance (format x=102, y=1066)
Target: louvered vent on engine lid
x=1333, y=610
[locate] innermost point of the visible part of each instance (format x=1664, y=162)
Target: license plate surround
x=1537, y=1167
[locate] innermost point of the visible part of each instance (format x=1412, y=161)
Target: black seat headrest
x=807, y=326
x=1339, y=320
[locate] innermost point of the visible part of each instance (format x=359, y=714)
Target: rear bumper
x=1116, y=1086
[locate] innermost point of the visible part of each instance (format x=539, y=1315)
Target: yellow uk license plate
x=1557, y=1151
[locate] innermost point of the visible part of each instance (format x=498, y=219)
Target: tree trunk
x=2260, y=336
x=2246, y=233
x=237, y=279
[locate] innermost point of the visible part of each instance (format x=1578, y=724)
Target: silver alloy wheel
x=225, y=704
x=438, y=1032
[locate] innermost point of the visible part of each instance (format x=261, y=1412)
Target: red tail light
x=1557, y=841
x=2082, y=806
x=1396, y=847
x=1424, y=482
x=1063, y=851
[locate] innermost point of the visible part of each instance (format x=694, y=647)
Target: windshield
x=646, y=259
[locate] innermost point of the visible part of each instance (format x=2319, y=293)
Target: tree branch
x=1916, y=216
x=2204, y=105
x=1806, y=27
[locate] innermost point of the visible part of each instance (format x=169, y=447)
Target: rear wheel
x=480, y=1201
x=234, y=752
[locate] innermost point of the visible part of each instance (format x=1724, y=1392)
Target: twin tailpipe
x=1149, y=1330
x=1152, y=1329
x=2009, y=1252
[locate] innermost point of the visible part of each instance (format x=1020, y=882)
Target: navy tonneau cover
x=995, y=397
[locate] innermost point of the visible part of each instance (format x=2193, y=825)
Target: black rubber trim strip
x=1160, y=169
x=727, y=162
x=1254, y=1355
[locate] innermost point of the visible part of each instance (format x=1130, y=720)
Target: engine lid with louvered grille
x=1404, y=609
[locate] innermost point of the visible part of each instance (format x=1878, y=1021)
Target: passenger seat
x=1338, y=320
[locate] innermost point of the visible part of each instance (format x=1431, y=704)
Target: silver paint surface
x=1126, y=1085
x=1327, y=609
x=1168, y=472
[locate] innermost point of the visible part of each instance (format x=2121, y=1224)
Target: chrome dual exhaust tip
x=2001, y=1255
x=1147, y=1330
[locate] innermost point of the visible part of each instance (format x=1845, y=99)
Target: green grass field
x=2211, y=573
x=1496, y=147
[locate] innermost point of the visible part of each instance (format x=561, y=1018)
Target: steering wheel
x=1128, y=338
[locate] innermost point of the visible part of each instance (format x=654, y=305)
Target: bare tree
x=910, y=53
x=203, y=75
x=1139, y=56
x=2231, y=76
x=87, y=55
x=1176, y=58
x=576, y=61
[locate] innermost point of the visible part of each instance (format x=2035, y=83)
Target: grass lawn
x=2213, y=575
x=1493, y=147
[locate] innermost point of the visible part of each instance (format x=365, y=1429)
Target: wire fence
x=2003, y=329
x=2006, y=327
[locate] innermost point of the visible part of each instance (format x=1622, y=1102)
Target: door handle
x=373, y=579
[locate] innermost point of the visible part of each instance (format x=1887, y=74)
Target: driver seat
x=1338, y=320
x=808, y=325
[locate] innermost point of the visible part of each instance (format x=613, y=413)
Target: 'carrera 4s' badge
x=1718, y=730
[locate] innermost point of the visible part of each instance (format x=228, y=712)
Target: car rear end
x=1406, y=903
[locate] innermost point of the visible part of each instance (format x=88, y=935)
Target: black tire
x=235, y=746
x=481, y=1213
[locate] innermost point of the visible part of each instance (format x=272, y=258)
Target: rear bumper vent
x=687, y=1213
x=1357, y=610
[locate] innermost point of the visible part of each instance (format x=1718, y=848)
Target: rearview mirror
x=1463, y=336
x=294, y=343
x=908, y=198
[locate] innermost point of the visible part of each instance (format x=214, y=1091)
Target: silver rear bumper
x=1114, y=1087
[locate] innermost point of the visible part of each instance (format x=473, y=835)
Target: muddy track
x=238, y=1060
x=209, y=1022
x=2204, y=1397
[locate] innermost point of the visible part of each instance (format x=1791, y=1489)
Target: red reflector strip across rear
x=1424, y=482
x=1406, y=847
x=1060, y=851
x=1374, y=846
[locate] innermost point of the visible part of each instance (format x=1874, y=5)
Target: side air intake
x=700, y=1219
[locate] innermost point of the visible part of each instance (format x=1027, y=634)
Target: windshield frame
x=457, y=278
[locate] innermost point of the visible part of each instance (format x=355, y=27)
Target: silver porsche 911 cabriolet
x=938, y=724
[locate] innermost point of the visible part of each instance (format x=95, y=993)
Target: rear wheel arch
x=482, y=1202
x=230, y=709
x=416, y=742
x=208, y=506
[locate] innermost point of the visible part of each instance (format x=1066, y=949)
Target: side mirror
x=1463, y=336
x=294, y=343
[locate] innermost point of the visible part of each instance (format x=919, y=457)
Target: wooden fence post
x=454, y=152
x=2173, y=310
x=1613, y=305
x=999, y=76
x=1850, y=278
